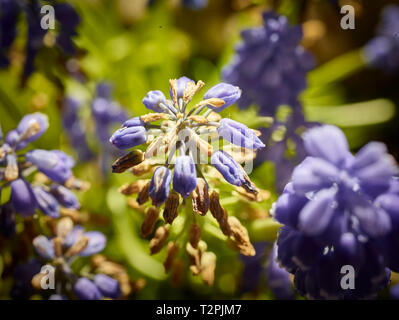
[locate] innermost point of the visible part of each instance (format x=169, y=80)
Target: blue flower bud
x=46, y=202
x=22, y=198
x=159, y=186
x=12, y=138
x=74, y=235
x=185, y=176
x=65, y=197
x=153, y=99
x=44, y=247
x=239, y=134
x=228, y=167
x=27, y=121
x=108, y=286
x=129, y=137
x=181, y=86
x=104, y=90
x=227, y=92
x=133, y=122
x=97, y=242
x=54, y=164
x=85, y=289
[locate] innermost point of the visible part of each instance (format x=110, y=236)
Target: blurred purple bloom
x=269, y=66
x=185, y=176
x=44, y=247
x=23, y=274
x=65, y=197
x=85, y=289
x=46, y=202
x=97, y=242
x=230, y=94
x=22, y=198
x=108, y=286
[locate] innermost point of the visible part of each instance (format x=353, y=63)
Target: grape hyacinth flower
x=180, y=144
x=11, y=10
x=47, y=191
x=269, y=65
x=263, y=266
x=69, y=243
x=383, y=51
x=338, y=210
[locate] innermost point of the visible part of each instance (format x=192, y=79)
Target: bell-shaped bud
x=133, y=122
x=108, y=286
x=44, y=247
x=97, y=242
x=201, y=197
x=239, y=134
x=227, y=92
x=85, y=289
x=228, y=167
x=54, y=164
x=159, y=186
x=65, y=197
x=185, y=176
x=22, y=197
x=32, y=126
x=149, y=222
x=181, y=86
x=46, y=202
x=153, y=99
x=129, y=137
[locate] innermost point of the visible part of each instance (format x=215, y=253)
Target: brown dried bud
x=215, y=102
x=97, y=260
x=149, y=222
x=173, y=89
x=77, y=184
x=131, y=188
x=64, y=227
x=78, y=246
x=141, y=168
x=150, y=117
x=208, y=266
x=156, y=243
x=172, y=250
x=191, y=89
x=143, y=194
x=171, y=206
x=200, y=197
x=127, y=161
x=240, y=237
x=198, y=118
x=214, y=117
x=195, y=235
x=219, y=213
x=71, y=213
x=194, y=255
x=58, y=243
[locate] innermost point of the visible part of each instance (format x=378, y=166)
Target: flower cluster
x=338, y=210
x=382, y=51
x=270, y=66
x=51, y=186
x=60, y=251
x=180, y=151
x=11, y=10
x=105, y=113
x=262, y=264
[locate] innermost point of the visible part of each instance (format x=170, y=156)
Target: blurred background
x=136, y=46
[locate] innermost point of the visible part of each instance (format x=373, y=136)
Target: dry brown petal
x=64, y=227
x=199, y=119
x=215, y=102
x=173, y=89
x=156, y=243
x=214, y=117
x=143, y=195
x=78, y=246
x=132, y=188
x=97, y=260
x=240, y=237
x=141, y=168
x=208, y=266
x=58, y=243
x=77, y=184
x=127, y=161
x=191, y=90
x=171, y=205
x=71, y=213
x=260, y=196
x=151, y=117
x=200, y=197
x=219, y=213
x=149, y=222
x=194, y=255
x=195, y=235
x=172, y=250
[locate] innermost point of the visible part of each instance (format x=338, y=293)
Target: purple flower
x=46, y=202
x=23, y=198
x=23, y=275
x=129, y=137
x=269, y=65
x=185, y=176
x=54, y=164
x=159, y=186
x=85, y=289
x=97, y=242
x=133, y=122
x=65, y=197
x=181, y=86
x=153, y=99
x=44, y=247
x=108, y=286
x=336, y=211
x=230, y=94
x=34, y=119
x=382, y=51
x=239, y=134
x=228, y=167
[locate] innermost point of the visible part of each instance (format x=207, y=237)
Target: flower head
x=333, y=215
